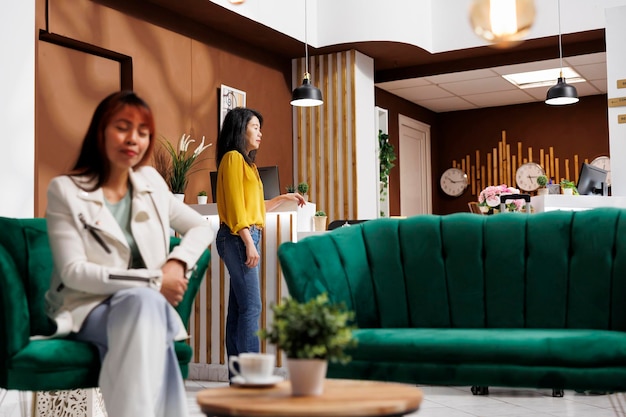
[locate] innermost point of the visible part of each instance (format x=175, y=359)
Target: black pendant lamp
x=307, y=95
x=562, y=93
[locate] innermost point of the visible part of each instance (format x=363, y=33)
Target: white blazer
x=91, y=255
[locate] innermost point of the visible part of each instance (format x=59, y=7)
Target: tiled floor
x=456, y=402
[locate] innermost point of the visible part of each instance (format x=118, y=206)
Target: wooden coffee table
x=341, y=398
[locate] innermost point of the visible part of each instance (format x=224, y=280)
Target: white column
x=616, y=70
x=17, y=108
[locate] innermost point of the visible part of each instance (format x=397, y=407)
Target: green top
x=121, y=213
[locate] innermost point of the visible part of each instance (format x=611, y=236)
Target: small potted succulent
x=311, y=334
x=202, y=197
x=542, y=181
x=303, y=189
x=290, y=188
x=320, y=220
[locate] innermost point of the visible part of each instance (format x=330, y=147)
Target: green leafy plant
x=542, y=180
x=202, y=193
x=569, y=184
x=290, y=188
x=386, y=156
x=303, y=188
x=182, y=163
x=316, y=329
x=320, y=213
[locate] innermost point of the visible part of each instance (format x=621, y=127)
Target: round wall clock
x=603, y=162
x=453, y=181
x=526, y=176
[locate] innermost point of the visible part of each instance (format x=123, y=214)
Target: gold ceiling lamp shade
x=502, y=22
x=237, y=1
x=307, y=95
x=562, y=93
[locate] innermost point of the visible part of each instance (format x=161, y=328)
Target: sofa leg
x=478, y=390
x=557, y=392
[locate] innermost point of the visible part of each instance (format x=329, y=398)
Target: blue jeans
x=244, y=300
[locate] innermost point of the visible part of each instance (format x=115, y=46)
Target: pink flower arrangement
x=490, y=197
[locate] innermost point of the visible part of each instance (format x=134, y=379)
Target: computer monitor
x=269, y=178
x=592, y=181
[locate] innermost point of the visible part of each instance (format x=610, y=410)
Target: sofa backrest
x=26, y=242
x=557, y=269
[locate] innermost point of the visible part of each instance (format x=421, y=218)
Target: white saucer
x=270, y=382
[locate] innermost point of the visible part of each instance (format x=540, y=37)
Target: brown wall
x=178, y=70
x=579, y=129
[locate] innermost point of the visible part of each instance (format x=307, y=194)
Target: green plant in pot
x=303, y=189
x=202, y=197
x=319, y=221
x=311, y=334
x=568, y=187
x=290, y=188
x=542, y=181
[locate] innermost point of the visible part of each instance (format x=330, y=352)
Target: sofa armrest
x=15, y=326
x=184, y=307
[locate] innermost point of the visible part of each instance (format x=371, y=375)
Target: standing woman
x=241, y=210
x=114, y=280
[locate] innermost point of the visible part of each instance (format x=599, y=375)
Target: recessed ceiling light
x=542, y=78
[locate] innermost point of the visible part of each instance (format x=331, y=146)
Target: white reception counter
x=552, y=202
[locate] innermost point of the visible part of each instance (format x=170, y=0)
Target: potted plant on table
x=542, y=181
x=182, y=163
x=303, y=189
x=568, y=187
x=320, y=221
x=290, y=188
x=202, y=197
x=310, y=334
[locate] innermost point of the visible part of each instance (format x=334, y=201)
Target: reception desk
x=208, y=318
x=552, y=202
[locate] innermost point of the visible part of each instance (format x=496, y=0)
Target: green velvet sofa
x=512, y=299
x=53, y=364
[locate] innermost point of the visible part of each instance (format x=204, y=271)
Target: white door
x=415, y=172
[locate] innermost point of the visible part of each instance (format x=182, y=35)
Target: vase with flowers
x=489, y=199
x=182, y=162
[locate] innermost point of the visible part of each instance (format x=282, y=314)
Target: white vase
x=181, y=197
x=542, y=191
x=307, y=376
x=568, y=191
x=320, y=223
x=202, y=199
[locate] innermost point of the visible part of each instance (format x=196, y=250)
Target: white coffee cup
x=253, y=367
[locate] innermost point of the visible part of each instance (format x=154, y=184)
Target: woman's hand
x=296, y=196
x=252, y=256
x=174, y=283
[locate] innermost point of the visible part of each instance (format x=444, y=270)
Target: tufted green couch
x=507, y=300
x=54, y=364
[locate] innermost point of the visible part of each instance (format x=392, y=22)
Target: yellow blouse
x=239, y=195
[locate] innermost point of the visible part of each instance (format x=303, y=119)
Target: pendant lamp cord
x=306, y=43
x=560, y=43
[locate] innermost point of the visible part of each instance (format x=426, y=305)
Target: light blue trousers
x=134, y=331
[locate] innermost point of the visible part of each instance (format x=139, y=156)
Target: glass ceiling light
x=307, y=95
x=562, y=93
x=502, y=22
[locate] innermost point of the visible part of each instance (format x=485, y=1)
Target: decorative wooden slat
x=355, y=191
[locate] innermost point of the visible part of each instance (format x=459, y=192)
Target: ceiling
x=450, y=81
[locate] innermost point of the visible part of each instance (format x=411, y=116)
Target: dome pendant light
x=562, y=93
x=307, y=95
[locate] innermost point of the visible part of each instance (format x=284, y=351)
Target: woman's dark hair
x=232, y=137
x=92, y=160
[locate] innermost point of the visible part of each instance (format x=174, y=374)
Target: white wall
x=434, y=25
x=366, y=139
x=616, y=70
x=17, y=108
